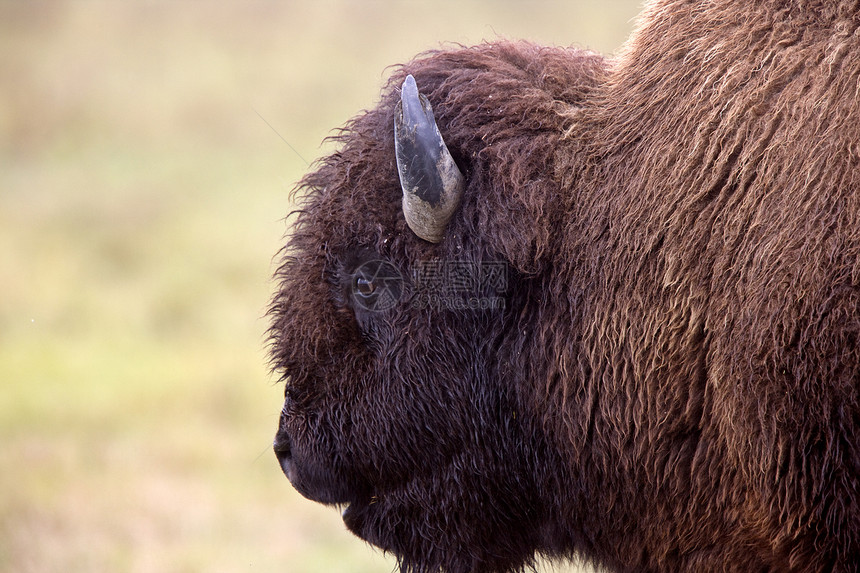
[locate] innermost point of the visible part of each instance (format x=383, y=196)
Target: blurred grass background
x=141, y=203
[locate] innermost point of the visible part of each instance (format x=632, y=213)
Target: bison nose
x=283, y=445
x=284, y=452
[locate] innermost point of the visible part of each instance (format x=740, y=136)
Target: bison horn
x=431, y=182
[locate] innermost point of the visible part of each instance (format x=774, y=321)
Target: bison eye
x=376, y=286
x=364, y=286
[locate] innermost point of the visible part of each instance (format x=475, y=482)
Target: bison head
x=403, y=322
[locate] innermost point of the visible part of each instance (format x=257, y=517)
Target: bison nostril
x=283, y=451
x=282, y=446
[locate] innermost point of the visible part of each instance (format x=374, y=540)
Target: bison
x=541, y=302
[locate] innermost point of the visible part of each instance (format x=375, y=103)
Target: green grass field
x=141, y=203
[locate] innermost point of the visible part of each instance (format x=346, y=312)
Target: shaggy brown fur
x=673, y=383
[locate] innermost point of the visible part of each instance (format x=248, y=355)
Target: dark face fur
x=394, y=408
x=400, y=356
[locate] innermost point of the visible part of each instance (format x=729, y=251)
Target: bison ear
x=431, y=182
